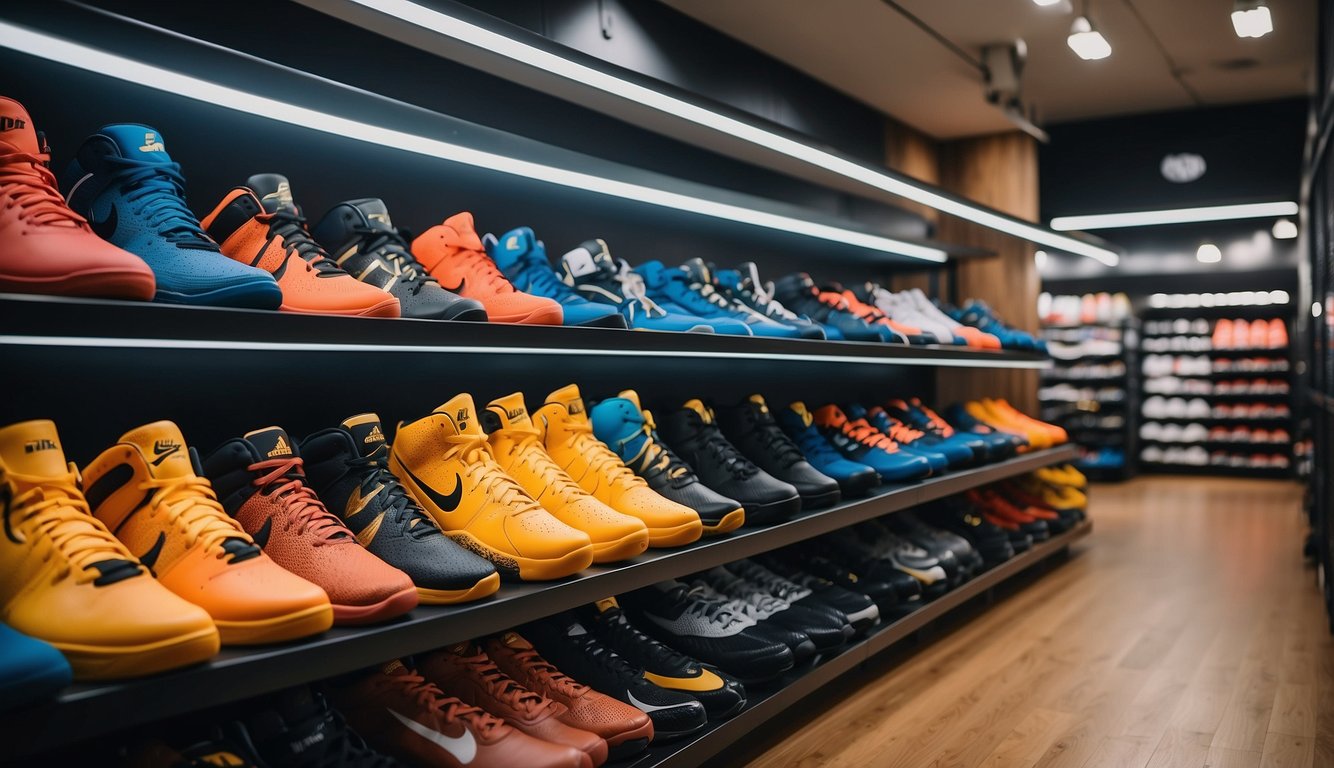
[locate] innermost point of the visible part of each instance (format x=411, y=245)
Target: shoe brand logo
x=33, y=446
x=383, y=218
x=463, y=283
x=282, y=195
x=512, y=243
x=11, y=123
x=462, y=748
x=647, y=708
x=375, y=436
x=163, y=449
x=301, y=745
x=576, y=408
x=281, y=448
x=222, y=759
x=261, y=536
x=513, y=414
x=149, y=558
x=358, y=501
x=152, y=143
x=106, y=227
x=446, y=502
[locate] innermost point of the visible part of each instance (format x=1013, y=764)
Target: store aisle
x=1185, y=633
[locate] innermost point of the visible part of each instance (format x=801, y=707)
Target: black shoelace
x=626, y=634
x=399, y=507
x=726, y=454
x=776, y=442
x=291, y=226
x=605, y=657
x=391, y=246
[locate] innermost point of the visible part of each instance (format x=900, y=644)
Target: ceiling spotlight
x=1061, y=5
x=1087, y=42
x=1208, y=254
x=1250, y=18
x=1284, y=229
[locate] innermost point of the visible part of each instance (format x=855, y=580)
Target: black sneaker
x=824, y=628
x=695, y=436
x=860, y=610
x=911, y=570
x=799, y=293
x=628, y=429
x=784, y=588
x=936, y=541
x=990, y=540
x=720, y=693
x=347, y=466
x=937, y=571
x=743, y=286
x=759, y=608
x=806, y=557
x=565, y=642
x=707, y=629
x=363, y=242
x=751, y=428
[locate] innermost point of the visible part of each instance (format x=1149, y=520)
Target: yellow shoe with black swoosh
x=517, y=445
x=568, y=437
x=146, y=491
x=446, y=464
x=348, y=466
x=66, y=580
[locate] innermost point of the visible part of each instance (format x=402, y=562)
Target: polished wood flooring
x=1185, y=632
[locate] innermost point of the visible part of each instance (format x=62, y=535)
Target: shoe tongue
x=698, y=407
x=607, y=605
x=464, y=648
x=465, y=234
x=367, y=432
x=138, y=142
x=375, y=211
x=273, y=191
x=394, y=668
x=855, y=412
x=16, y=128
x=833, y=414
x=514, y=640
x=460, y=415
x=510, y=411
x=271, y=443
x=513, y=246
x=568, y=398
x=758, y=402
x=632, y=396
x=590, y=257
x=698, y=271
x=33, y=448
x=163, y=447
x=800, y=409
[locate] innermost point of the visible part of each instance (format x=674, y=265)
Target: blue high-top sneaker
x=523, y=259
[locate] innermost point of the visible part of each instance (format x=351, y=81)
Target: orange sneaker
x=259, y=224
x=453, y=254
x=144, y=488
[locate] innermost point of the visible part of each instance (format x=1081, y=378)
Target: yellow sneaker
x=1063, y=474
x=517, y=446
x=66, y=580
x=568, y=437
x=445, y=463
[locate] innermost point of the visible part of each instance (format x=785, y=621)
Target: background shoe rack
x=98, y=368
x=1091, y=390
x=1186, y=335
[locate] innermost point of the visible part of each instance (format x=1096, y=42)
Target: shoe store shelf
x=61, y=322
x=766, y=703
x=237, y=673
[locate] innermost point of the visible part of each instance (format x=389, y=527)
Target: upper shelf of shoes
x=111, y=45
x=63, y=322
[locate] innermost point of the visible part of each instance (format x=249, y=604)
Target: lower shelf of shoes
x=94, y=709
x=767, y=702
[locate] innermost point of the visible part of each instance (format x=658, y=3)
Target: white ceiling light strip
x=73, y=54
x=471, y=34
x=1174, y=216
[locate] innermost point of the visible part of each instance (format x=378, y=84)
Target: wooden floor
x=1185, y=632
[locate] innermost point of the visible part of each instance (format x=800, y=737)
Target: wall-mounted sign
x=1183, y=167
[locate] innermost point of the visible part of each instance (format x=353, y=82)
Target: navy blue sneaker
x=854, y=478
x=978, y=315
x=123, y=181
x=701, y=280
x=743, y=287
x=30, y=670
x=671, y=288
x=908, y=439
x=799, y=293
x=858, y=440
x=1000, y=445
x=591, y=270
x=523, y=259
x=961, y=448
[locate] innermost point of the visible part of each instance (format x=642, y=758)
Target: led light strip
x=471, y=34
x=1174, y=216
x=101, y=62
x=104, y=342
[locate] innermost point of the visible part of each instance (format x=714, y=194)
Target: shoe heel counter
x=110, y=484
x=231, y=224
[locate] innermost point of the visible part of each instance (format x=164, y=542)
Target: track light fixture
x=1087, y=42
x=1250, y=18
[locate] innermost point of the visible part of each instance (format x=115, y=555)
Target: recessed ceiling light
x=1250, y=18
x=1087, y=42
x=1208, y=254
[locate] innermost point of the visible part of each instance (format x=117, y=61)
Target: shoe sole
x=614, y=320
x=513, y=566
x=278, y=629
x=541, y=316
x=94, y=283
x=464, y=315
x=683, y=534
x=623, y=548
x=822, y=500
x=773, y=512
x=396, y=604
x=484, y=588
x=93, y=662
x=257, y=295
x=387, y=308
x=629, y=743
x=729, y=522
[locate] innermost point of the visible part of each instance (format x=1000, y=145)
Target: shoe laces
x=726, y=454
x=600, y=458
x=898, y=431
x=776, y=442
x=528, y=445
x=157, y=193
x=862, y=432
x=635, y=289
x=543, y=279
x=813, y=445
x=479, y=465
x=429, y=697
x=53, y=509
x=549, y=674
x=291, y=227
x=347, y=749
x=760, y=576
x=941, y=426
x=285, y=481
x=506, y=688
x=762, y=295
x=189, y=503
x=485, y=269
x=390, y=246
x=604, y=656
x=700, y=605
x=656, y=457
x=755, y=604
x=398, y=506
x=31, y=188
x=616, y=625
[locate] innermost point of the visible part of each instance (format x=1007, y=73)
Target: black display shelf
x=63, y=322
x=238, y=673
x=766, y=703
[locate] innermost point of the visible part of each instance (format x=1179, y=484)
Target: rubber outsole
x=483, y=588
x=468, y=315
x=386, y=308
x=98, y=283
x=621, y=549
x=614, y=320
x=513, y=567
x=540, y=316
x=396, y=604
x=254, y=295
x=629, y=745
x=822, y=500
x=676, y=536
x=278, y=629
x=729, y=522
x=93, y=662
x=773, y=512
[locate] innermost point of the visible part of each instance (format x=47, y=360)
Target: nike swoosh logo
x=149, y=558
x=261, y=536
x=449, y=502
x=163, y=456
x=106, y=227
x=648, y=708
x=463, y=748
x=463, y=283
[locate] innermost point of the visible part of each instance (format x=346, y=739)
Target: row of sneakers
x=1180, y=326
x=1176, y=344
x=1089, y=308
x=1198, y=456
x=1086, y=371
x=1084, y=348
x=1175, y=385
x=1250, y=365
x=1251, y=387
x=1101, y=458
x=1244, y=434
x=1177, y=365
x=1068, y=393
x=1239, y=333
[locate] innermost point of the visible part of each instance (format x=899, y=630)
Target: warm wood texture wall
x=1000, y=171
